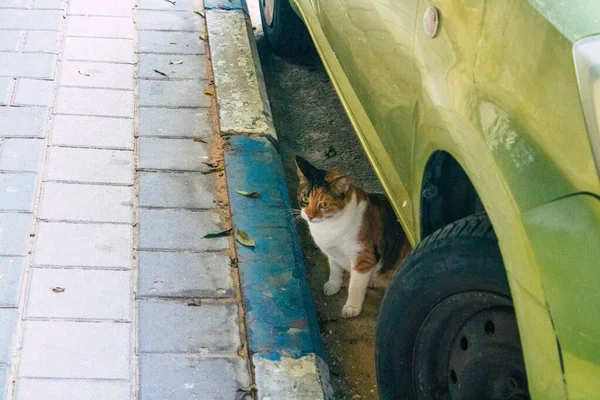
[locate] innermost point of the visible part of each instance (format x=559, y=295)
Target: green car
x=482, y=121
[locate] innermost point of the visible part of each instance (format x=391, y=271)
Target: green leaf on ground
x=226, y=232
x=243, y=238
x=199, y=13
x=160, y=72
x=252, y=195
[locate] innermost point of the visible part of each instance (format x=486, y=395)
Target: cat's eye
x=323, y=204
x=304, y=199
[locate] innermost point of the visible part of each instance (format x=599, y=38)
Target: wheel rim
x=469, y=348
x=268, y=10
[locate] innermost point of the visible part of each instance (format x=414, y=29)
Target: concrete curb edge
x=283, y=332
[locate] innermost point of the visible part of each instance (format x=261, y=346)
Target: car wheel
x=447, y=327
x=283, y=29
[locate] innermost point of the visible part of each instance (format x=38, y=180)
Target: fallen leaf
x=245, y=393
x=83, y=73
x=176, y=62
x=209, y=164
x=211, y=170
x=252, y=195
x=170, y=1
x=197, y=139
x=160, y=72
x=194, y=302
x=243, y=238
x=172, y=42
x=330, y=152
x=221, y=291
x=209, y=92
x=201, y=37
x=217, y=234
x=240, y=351
x=58, y=289
x=199, y=13
x=32, y=235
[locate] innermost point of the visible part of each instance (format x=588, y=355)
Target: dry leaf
x=243, y=238
x=176, y=62
x=201, y=37
x=217, y=234
x=194, y=302
x=83, y=73
x=221, y=291
x=160, y=72
x=252, y=195
x=240, y=351
x=208, y=92
x=197, y=139
x=58, y=289
x=211, y=170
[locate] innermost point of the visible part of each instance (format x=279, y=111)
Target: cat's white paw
x=349, y=311
x=330, y=289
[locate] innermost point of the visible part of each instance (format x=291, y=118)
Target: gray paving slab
x=190, y=5
x=190, y=378
x=96, y=350
x=10, y=40
x=165, y=122
x=6, y=84
x=99, y=49
x=44, y=389
x=181, y=275
x=4, y=371
x=23, y=155
x=190, y=190
x=88, y=294
x=17, y=191
x=118, y=8
x=8, y=323
x=30, y=19
x=90, y=165
x=172, y=154
x=15, y=3
x=201, y=330
x=28, y=65
x=22, y=121
x=101, y=75
x=14, y=233
x=87, y=131
x=170, y=43
x=100, y=102
x=180, y=66
x=49, y=4
x=91, y=203
x=174, y=93
x=11, y=270
x=169, y=21
x=42, y=42
x=33, y=92
x=179, y=230
x=87, y=245
x=106, y=27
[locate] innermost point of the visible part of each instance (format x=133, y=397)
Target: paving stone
x=190, y=5
x=10, y=40
x=170, y=43
x=8, y=324
x=15, y=3
x=190, y=378
x=17, y=191
x=88, y=294
x=44, y=389
x=88, y=245
x=14, y=233
x=180, y=230
x=103, y=75
x=118, y=8
x=5, y=87
x=92, y=203
x=176, y=190
x=49, y=4
x=22, y=121
x=204, y=330
x=193, y=67
x=4, y=371
x=174, y=93
x=33, y=92
x=11, y=270
x=167, y=122
x=90, y=165
x=169, y=21
x=49, y=20
x=98, y=350
x=23, y=155
x=27, y=65
x=102, y=102
x=71, y=130
x=180, y=275
x=108, y=27
x=99, y=49
x=42, y=42
x=172, y=154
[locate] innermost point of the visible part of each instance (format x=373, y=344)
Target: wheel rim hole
x=490, y=328
x=464, y=343
x=453, y=377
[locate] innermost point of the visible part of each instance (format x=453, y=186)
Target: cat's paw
x=330, y=289
x=349, y=311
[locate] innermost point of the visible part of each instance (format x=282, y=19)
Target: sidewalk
x=103, y=207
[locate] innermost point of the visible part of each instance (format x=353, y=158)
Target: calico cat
x=358, y=231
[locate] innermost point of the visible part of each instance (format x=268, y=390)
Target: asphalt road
x=310, y=121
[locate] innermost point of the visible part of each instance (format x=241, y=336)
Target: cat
x=358, y=231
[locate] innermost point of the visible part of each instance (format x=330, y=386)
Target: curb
x=283, y=332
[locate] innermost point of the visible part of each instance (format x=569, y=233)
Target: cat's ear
x=307, y=171
x=341, y=184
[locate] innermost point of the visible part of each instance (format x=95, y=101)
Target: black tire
x=286, y=34
x=459, y=259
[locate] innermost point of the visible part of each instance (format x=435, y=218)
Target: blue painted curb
x=280, y=313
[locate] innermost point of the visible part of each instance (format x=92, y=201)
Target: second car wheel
x=447, y=328
x=283, y=29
